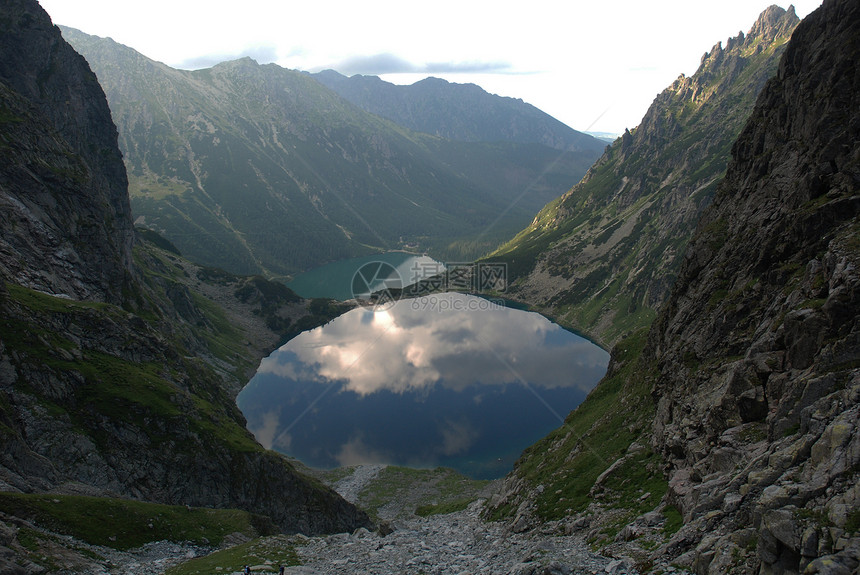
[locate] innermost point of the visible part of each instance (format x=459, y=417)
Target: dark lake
x=447, y=379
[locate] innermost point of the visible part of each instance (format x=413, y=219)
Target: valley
x=263, y=170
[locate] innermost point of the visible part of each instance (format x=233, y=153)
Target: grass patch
x=126, y=524
x=852, y=524
x=267, y=551
x=569, y=460
x=433, y=491
x=674, y=520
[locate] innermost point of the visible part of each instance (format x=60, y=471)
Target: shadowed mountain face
x=726, y=440
x=122, y=387
x=64, y=190
x=602, y=257
x=259, y=169
x=758, y=347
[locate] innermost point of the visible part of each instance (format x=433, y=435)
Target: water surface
x=334, y=280
x=448, y=379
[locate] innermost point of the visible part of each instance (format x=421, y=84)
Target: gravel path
x=349, y=487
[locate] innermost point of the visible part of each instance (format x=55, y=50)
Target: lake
x=335, y=280
x=447, y=379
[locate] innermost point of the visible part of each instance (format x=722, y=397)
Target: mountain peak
x=773, y=23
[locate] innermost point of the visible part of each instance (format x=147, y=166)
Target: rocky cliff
x=119, y=360
x=602, y=257
x=758, y=348
x=725, y=439
x=64, y=186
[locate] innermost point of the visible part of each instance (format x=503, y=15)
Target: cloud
x=388, y=63
x=355, y=452
x=265, y=433
x=263, y=54
x=457, y=437
x=472, y=67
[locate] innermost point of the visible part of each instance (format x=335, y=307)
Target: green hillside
x=602, y=257
x=259, y=169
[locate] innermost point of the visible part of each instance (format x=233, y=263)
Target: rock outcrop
x=64, y=188
x=758, y=348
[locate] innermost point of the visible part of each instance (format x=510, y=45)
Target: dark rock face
x=66, y=226
x=95, y=399
x=758, y=347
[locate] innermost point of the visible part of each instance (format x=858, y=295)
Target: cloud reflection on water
x=405, y=349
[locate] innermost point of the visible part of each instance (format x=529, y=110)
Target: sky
x=594, y=65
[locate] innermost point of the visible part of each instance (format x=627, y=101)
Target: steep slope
x=463, y=112
x=758, y=348
x=259, y=169
x=746, y=392
x=64, y=192
x=602, y=257
x=133, y=400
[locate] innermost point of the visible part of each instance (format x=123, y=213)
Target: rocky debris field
x=460, y=542
x=453, y=543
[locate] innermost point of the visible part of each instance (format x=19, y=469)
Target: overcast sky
x=595, y=64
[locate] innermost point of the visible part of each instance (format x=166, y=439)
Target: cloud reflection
x=404, y=349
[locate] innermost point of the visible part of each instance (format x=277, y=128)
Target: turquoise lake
x=334, y=280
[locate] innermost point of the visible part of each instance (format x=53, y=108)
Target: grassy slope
x=153, y=376
x=566, y=463
x=126, y=524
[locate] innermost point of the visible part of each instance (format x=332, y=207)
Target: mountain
x=602, y=257
x=259, y=169
x=69, y=154
x=120, y=360
x=462, y=112
x=725, y=439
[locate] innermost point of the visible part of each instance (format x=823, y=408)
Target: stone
x=809, y=543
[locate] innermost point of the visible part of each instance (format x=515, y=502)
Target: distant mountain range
x=463, y=112
x=259, y=169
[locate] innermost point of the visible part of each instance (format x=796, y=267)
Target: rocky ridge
x=725, y=439
x=603, y=257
